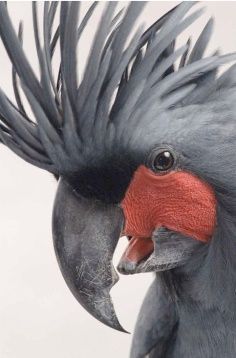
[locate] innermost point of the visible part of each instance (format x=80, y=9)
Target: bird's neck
x=209, y=279
x=204, y=295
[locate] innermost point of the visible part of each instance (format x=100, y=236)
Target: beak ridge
x=85, y=235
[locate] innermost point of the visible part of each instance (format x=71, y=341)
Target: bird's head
x=139, y=145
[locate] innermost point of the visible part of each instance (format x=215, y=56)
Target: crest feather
x=121, y=84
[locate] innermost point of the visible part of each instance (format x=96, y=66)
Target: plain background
x=39, y=317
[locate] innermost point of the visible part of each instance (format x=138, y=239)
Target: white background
x=39, y=317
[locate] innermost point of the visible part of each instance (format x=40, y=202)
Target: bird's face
x=164, y=208
x=162, y=196
x=137, y=142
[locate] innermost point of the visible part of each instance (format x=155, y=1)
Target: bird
x=143, y=146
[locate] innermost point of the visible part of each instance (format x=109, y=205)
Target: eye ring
x=161, y=160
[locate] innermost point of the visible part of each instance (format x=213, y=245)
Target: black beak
x=85, y=234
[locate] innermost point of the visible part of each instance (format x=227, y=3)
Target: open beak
x=165, y=250
x=85, y=235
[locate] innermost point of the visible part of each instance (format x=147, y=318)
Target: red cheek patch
x=179, y=201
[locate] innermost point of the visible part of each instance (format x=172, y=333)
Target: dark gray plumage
x=70, y=120
x=96, y=133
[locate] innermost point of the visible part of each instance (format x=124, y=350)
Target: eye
x=161, y=160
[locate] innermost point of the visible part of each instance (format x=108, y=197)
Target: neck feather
x=209, y=278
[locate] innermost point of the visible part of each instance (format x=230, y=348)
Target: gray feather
x=124, y=87
x=202, y=42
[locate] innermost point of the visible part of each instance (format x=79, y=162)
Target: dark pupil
x=163, y=161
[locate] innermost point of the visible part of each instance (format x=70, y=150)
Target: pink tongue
x=138, y=249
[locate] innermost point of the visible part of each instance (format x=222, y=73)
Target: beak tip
x=106, y=314
x=118, y=327
x=101, y=308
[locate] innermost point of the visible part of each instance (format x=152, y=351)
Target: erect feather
x=169, y=32
x=183, y=60
x=48, y=104
x=51, y=15
x=41, y=117
x=191, y=72
x=205, y=86
x=133, y=11
x=22, y=128
x=93, y=63
x=15, y=79
x=48, y=18
x=104, y=106
x=86, y=18
x=16, y=53
x=138, y=55
x=68, y=53
x=9, y=142
x=228, y=78
x=147, y=88
x=178, y=96
x=121, y=83
x=164, y=65
x=202, y=42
